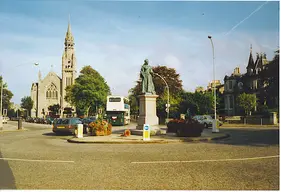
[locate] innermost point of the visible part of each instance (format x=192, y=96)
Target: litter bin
x=20, y=123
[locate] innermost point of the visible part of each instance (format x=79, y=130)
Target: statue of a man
x=146, y=76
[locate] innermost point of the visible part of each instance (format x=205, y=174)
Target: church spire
x=69, y=36
x=251, y=64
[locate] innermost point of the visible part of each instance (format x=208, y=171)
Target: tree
x=175, y=87
x=198, y=103
x=27, y=103
x=89, y=91
x=270, y=78
x=7, y=95
x=54, y=108
x=247, y=102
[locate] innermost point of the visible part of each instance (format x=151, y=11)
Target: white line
x=210, y=160
x=35, y=160
x=246, y=17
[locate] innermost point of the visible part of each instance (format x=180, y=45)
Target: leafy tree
x=27, y=103
x=270, y=78
x=247, y=102
x=54, y=108
x=198, y=103
x=7, y=95
x=90, y=90
x=175, y=87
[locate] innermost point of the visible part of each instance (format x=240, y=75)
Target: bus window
x=114, y=99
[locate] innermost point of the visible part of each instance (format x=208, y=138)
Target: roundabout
x=38, y=159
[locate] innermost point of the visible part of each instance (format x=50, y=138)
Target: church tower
x=68, y=65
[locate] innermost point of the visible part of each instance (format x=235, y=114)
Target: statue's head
x=146, y=62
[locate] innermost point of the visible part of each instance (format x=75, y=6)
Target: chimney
x=236, y=71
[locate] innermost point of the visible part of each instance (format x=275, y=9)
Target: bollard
x=146, y=132
x=79, y=131
x=19, y=123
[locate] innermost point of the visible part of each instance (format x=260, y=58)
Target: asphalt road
x=38, y=159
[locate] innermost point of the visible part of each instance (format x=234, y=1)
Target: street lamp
x=214, y=127
x=168, y=101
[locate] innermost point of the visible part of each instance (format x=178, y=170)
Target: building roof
x=251, y=64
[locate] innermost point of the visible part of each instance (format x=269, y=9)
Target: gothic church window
x=51, y=92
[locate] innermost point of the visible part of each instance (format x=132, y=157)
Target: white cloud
x=118, y=55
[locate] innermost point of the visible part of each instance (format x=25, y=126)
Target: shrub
x=100, y=128
x=185, y=128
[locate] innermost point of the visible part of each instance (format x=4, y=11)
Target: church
x=51, y=89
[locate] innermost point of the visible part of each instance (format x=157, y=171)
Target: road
x=38, y=159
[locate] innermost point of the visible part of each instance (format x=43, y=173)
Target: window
x=114, y=99
x=65, y=121
x=230, y=102
x=68, y=81
x=52, y=92
x=230, y=84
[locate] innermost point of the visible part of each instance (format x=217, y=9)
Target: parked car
x=66, y=125
x=207, y=120
x=49, y=120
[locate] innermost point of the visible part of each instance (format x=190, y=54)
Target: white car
x=207, y=120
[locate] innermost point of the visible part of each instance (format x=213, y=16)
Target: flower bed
x=100, y=128
x=185, y=128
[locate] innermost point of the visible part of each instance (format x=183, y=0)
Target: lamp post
x=168, y=100
x=214, y=127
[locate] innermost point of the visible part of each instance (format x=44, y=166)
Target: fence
x=255, y=120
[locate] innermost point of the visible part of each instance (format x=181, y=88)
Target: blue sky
x=115, y=37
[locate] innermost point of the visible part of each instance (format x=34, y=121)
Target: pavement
x=137, y=138
x=11, y=128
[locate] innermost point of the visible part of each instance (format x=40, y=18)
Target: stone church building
x=51, y=89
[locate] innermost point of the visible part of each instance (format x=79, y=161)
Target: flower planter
x=100, y=128
x=185, y=128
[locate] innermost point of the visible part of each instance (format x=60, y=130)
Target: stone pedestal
x=147, y=111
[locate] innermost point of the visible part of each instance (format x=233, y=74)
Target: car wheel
x=205, y=125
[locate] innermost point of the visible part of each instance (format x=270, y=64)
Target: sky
x=115, y=37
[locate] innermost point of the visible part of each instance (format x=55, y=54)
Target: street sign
x=168, y=105
x=146, y=132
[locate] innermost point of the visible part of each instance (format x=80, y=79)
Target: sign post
x=146, y=132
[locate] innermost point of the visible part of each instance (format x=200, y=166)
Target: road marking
x=35, y=160
x=210, y=160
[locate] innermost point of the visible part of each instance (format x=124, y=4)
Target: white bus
x=117, y=110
